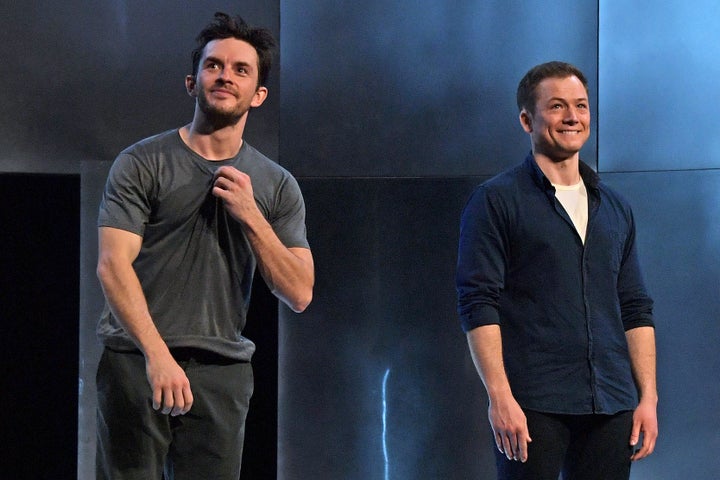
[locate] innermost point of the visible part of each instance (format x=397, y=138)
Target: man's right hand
x=170, y=386
x=117, y=250
x=509, y=425
x=507, y=419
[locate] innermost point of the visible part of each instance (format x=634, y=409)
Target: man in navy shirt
x=552, y=300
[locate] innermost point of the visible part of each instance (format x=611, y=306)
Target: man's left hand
x=645, y=423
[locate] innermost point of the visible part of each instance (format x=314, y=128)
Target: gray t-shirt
x=195, y=264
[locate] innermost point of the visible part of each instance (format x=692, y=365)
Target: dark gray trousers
x=135, y=442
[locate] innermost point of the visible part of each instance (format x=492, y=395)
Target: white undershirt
x=574, y=200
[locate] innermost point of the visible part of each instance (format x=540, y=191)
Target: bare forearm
x=507, y=418
x=288, y=272
x=127, y=302
x=641, y=345
x=486, y=348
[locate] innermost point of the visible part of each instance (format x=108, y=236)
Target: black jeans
x=135, y=442
x=582, y=447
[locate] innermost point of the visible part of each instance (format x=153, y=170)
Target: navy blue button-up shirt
x=563, y=306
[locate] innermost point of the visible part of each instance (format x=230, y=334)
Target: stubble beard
x=220, y=117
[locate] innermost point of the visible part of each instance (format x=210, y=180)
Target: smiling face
x=560, y=124
x=226, y=84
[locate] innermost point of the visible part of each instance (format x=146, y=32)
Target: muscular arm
x=117, y=251
x=641, y=343
x=506, y=417
x=288, y=272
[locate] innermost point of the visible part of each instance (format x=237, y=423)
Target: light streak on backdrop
x=384, y=424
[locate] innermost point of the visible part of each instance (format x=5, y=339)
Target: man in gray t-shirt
x=186, y=218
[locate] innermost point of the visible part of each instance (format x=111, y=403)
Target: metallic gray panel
x=378, y=88
x=90, y=77
x=659, y=65
x=383, y=327
x=677, y=217
x=376, y=380
x=93, y=176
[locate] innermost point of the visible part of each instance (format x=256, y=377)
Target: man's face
x=560, y=125
x=226, y=81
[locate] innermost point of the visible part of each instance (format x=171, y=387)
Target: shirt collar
x=588, y=175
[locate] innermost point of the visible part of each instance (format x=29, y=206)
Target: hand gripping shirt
x=195, y=264
x=563, y=306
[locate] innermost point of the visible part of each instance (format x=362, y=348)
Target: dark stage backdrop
x=86, y=79
x=389, y=112
x=659, y=66
x=39, y=309
x=391, y=120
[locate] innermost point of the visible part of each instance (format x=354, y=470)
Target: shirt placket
x=594, y=203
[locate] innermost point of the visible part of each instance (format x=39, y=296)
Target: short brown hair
x=526, y=94
x=225, y=26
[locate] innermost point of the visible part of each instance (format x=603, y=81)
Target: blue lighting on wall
x=658, y=69
x=384, y=424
